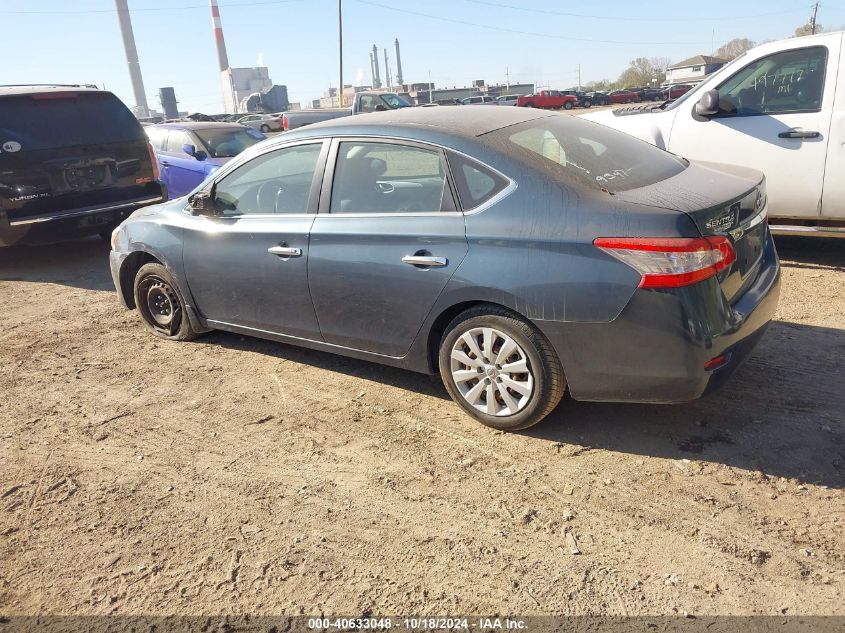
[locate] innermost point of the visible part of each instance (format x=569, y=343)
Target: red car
x=547, y=99
x=673, y=92
x=624, y=96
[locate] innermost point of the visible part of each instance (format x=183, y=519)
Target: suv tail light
x=154, y=160
x=671, y=262
x=285, y=122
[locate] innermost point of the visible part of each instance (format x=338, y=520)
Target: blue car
x=517, y=253
x=189, y=152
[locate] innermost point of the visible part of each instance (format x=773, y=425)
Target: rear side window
x=476, y=183
x=586, y=153
x=62, y=119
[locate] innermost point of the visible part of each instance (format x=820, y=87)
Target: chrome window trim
x=508, y=190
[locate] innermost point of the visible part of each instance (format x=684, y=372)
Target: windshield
x=588, y=153
x=395, y=101
x=63, y=119
x=228, y=142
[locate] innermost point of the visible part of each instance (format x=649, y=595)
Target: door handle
x=428, y=261
x=799, y=134
x=165, y=164
x=284, y=251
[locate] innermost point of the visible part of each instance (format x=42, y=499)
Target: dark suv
x=73, y=160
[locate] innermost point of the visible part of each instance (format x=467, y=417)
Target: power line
x=233, y=5
x=503, y=5
x=516, y=31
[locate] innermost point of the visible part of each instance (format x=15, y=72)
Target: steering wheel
x=268, y=194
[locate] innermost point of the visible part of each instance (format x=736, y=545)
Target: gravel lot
x=233, y=475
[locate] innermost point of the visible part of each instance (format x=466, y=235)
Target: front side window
x=275, y=182
x=157, y=137
x=228, y=142
x=176, y=139
x=388, y=178
x=573, y=150
x=789, y=81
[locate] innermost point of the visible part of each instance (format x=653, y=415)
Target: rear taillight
x=154, y=161
x=671, y=262
x=285, y=122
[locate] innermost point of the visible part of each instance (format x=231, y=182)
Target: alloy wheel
x=491, y=371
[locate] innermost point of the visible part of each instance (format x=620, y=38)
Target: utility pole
x=508, y=78
x=813, y=18
x=430, y=100
x=340, y=50
x=579, y=77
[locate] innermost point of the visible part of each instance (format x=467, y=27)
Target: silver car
x=264, y=122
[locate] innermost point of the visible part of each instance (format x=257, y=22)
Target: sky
x=452, y=42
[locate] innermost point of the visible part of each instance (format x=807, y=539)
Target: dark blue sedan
x=189, y=152
x=515, y=252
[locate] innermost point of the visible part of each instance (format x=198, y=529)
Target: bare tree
x=734, y=48
x=643, y=71
x=807, y=29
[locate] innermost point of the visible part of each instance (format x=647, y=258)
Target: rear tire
x=529, y=105
x=265, y=128
x=500, y=369
x=161, y=305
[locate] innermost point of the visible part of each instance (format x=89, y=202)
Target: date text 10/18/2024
x=417, y=624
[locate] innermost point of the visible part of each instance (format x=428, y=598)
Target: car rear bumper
x=656, y=349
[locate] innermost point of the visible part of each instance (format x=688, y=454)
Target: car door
x=385, y=243
x=774, y=115
x=833, y=200
x=183, y=172
x=246, y=264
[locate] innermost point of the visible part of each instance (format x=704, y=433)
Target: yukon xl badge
x=725, y=222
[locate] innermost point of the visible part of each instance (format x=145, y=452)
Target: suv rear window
x=61, y=119
x=589, y=153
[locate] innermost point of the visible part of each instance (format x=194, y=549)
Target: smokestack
x=387, y=70
x=132, y=57
x=230, y=104
x=398, y=64
x=222, y=58
x=376, y=76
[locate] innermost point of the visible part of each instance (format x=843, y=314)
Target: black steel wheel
x=160, y=304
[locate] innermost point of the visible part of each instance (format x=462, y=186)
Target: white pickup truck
x=779, y=108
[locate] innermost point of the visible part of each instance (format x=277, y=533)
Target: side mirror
x=708, y=105
x=191, y=150
x=201, y=203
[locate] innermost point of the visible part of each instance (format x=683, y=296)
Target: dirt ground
x=233, y=475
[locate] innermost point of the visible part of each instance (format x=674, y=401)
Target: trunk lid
x=720, y=200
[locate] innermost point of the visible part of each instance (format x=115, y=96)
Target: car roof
x=28, y=89
x=458, y=122
x=198, y=125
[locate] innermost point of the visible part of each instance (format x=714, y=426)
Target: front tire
x=567, y=105
x=161, y=305
x=500, y=369
x=588, y=104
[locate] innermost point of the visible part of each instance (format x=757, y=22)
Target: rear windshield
x=51, y=120
x=228, y=142
x=587, y=153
